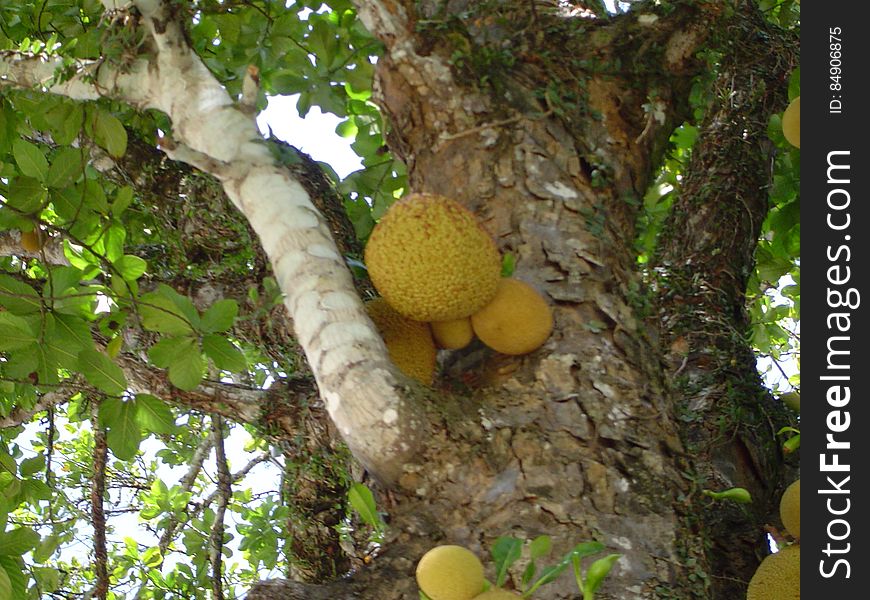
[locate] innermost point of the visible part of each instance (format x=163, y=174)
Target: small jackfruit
x=497, y=594
x=431, y=259
x=450, y=573
x=778, y=577
x=517, y=321
x=791, y=123
x=409, y=342
x=452, y=335
x=790, y=509
x=32, y=241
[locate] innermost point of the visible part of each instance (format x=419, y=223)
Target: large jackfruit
x=409, y=343
x=790, y=509
x=778, y=577
x=431, y=260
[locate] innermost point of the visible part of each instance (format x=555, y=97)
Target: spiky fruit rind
x=454, y=334
x=791, y=123
x=497, y=594
x=778, y=577
x=517, y=321
x=450, y=573
x=409, y=342
x=431, y=259
x=790, y=509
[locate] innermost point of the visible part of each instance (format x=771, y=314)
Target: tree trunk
x=549, y=133
x=728, y=420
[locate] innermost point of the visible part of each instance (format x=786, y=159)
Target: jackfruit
x=409, y=342
x=450, y=573
x=791, y=123
x=452, y=335
x=32, y=241
x=790, y=509
x=778, y=577
x=431, y=260
x=517, y=321
x=497, y=594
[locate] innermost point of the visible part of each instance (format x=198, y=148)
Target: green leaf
x=540, y=547
x=15, y=332
x=18, y=541
x=363, y=502
x=225, y=356
x=30, y=159
x=5, y=585
x=65, y=168
x=794, y=84
x=113, y=348
x=163, y=353
x=26, y=195
x=152, y=557
x=505, y=552
x=46, y=548
x=154, y=415
x=187, y=369
x=167, y=311
x=29, y=466
x=35, y=490
x=577, y=553
x=220, y=316
x=71, y=335
x=130, y=267
x=124, y=433
x=596, y=573
x=47, y=578
x=109, y=133
x=508, y=264
x=737, y=494
x=123, y=199
x=102, y=372
x=18, y=298
x=65, y=122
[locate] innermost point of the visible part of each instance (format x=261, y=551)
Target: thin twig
x=225, y=490
x=98, y=517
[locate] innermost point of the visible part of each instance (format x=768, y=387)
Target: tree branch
x=98, y=518
x=224, y=491
x=19, y=416
x=363, y=391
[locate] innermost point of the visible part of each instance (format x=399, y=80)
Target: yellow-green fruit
x=431, y=260
x=778, y=577
x=450, y=573
x=409, y=342
x=790, y=509
x=32, y=241
x=791, y=123
x=517, y=321
x=452, y=335
x=497, y=594
x=792, y=400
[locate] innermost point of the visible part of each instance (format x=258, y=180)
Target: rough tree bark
x=728, y=420
x=548, y=127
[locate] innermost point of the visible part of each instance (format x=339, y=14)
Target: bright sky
x=315, y=135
